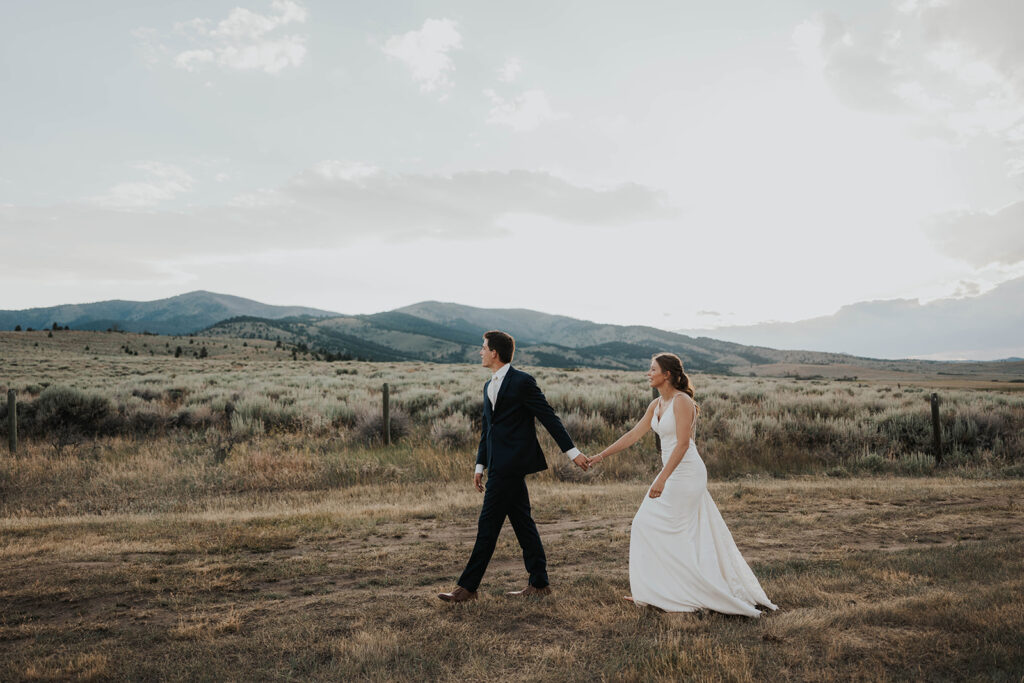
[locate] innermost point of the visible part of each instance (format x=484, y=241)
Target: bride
x=681, y=555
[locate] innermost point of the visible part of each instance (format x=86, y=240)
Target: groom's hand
x=478, y=481
x=582, y=461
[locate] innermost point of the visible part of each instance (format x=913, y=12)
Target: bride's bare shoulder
x=682, y=400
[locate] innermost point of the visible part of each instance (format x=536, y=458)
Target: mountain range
x=988, y=326
x=180, y=314
x=434, y=331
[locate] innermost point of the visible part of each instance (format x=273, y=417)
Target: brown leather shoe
x=460, y=594
x=530, y=590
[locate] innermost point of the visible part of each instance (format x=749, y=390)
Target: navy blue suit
x=509, y=450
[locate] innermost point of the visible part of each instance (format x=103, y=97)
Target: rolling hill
x=451, y=333
x=180, y=314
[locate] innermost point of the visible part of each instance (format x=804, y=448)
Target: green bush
x=909, y=431
x=60, y=407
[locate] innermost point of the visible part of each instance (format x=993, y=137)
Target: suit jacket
x=508, y=442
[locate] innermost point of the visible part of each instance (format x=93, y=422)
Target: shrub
x=584, y=428
x=65, y=415
x=452, y=431
x=369, y=426
x=469, y=405
x=246, y=424
x=915, y=463
x=870, y=462
x=142, y=421
x=1013, y=471
x=910, y=431
x=270, y=415
x=59, y=407
x=417, y=400
x=146, y=394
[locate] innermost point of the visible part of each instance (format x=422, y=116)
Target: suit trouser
x=505, y=497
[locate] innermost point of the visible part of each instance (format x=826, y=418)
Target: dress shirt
x=495, y=386
x=492, y=394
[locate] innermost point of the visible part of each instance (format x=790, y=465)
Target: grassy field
x=150, y=531
x=876, y=579
x=76, y=386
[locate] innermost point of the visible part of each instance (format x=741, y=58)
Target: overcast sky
x=678, y=164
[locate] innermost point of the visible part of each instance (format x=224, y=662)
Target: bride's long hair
x=670, y=363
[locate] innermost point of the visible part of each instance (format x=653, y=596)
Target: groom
x=509, y=450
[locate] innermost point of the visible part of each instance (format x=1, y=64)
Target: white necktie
x=492, y=389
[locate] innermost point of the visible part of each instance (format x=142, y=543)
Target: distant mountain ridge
x=399, y=336
x=451, y=333
x=180, y=314
x=988, y=326
x=441, y=332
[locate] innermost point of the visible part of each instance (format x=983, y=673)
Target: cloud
x=164, y=182
x=330, y=205
x=966, y=289
x=953, y=68
x=242, y=24
x=356, y=198
x=858, y=67
x=981, y=238
x=525, y=112
x=270, y=56
x=242, y=41
x=147, y=42
x=425, y=52
x=510, y=70
x=345, y=170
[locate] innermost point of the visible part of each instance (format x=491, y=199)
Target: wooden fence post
x=657, y=439
x=12, y=420
x=936, y=430
x=387, y=416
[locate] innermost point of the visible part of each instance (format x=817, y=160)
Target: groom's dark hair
x=503, y=343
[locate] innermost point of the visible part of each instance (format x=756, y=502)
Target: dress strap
x=693, y=425
x=664, y=409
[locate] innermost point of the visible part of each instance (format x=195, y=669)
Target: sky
x=677, y=164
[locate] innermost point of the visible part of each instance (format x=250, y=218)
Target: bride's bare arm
x=683, y=412
x=630, y=437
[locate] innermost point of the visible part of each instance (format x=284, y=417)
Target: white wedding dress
x=681, y=555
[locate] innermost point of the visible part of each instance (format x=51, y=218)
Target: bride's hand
x=656, y=488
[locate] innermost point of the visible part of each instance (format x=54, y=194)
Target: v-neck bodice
x=665, y=427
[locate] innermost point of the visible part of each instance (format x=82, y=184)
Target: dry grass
x=876, y=579
x=286, y=543
x=247, y=390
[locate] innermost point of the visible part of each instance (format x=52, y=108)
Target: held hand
x=478, y=481
x=593, y=460
x=656, y=488
x=582, y=461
